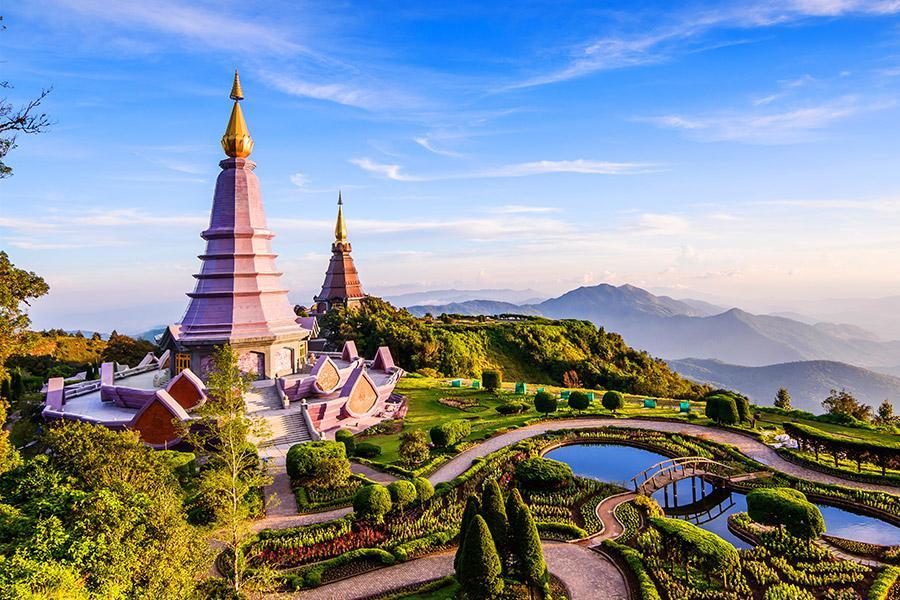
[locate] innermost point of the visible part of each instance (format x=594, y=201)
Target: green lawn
x=852, y=432
x=426, y=410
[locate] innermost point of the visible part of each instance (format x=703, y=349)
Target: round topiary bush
x=512, y=408
x=545, y=402
x=345, y=436
x=543, y=473
x=403, y=493
x=787, y=507
x=492, y=380
x=372, y=502
x=424, y=490
x=613, y=400
x=302, y=459
x=579, y=400
x=450, y=433
x=367, y=450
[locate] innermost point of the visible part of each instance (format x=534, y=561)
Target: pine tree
x=472, y=508
x=886, y=412
x=527, y=546
x=783, y=399
x=494, y=513
x=479, y=570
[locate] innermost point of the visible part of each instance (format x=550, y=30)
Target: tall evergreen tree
x=514, y=504
x=529, y=554
x=479, y=570
x=494, y=513
x=472, y=509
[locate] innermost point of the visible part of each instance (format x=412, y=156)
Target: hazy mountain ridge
x=809, y=382
x=679, y=329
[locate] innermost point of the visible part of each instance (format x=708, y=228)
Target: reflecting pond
x=701, y=503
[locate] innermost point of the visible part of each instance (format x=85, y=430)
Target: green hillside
x=564, y=352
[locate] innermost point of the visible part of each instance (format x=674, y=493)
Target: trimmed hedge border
x=557, y=531
x=801, y=461
x=310, y=576
x=884, y=583
x=646, y=589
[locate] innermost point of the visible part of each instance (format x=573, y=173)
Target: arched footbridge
x=669, y=471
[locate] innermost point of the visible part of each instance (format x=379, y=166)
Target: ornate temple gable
x=341, y=286
x=328, y=376
x=361, y=393
x=154, y=421
x=349, y=353
x=383, y=360
x=187, y=389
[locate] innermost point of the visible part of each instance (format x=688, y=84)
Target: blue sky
x=746, y=152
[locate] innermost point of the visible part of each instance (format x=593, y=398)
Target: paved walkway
x=587, y=574
x=606, y=512
x=748, y=446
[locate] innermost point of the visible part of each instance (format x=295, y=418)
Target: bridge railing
x=673, y=469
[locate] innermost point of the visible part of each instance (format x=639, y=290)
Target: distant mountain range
x=452, y=296
x=809, y=382
x=683, y=329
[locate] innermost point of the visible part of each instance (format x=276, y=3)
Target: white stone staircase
x=285, y=425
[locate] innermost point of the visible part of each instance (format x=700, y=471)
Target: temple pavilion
x=240, y=299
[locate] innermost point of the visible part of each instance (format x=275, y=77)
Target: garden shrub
x=367, y=450
x=512, y=408
x=372, y=502
x=884, y=582
x=423, y=545
x=634, y=560
x=545, y=402
x=492, y=380
x=450, y=433
x=613, y=400
x=479, y=569
x=312, y=576
x=787, y=507
x=556, y=530
x=302, y=458
x=345, y=436
x=424, y=490
x=579, y=400
x=715, y=554
x=414, y=448
x=786, y=591
x=403, y=493
x=543, y=474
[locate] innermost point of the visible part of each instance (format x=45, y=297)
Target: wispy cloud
x=541, y=167
x=757, y=126
x=369, y=97
x=660, y=224
x=688, y=31
x=426, y=143
x=518, y=209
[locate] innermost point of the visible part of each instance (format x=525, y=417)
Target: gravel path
x=587, y=574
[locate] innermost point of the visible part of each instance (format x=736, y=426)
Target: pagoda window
x=182, y=362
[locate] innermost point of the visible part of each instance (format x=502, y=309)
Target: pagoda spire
x=237, y=142
x=340, y=228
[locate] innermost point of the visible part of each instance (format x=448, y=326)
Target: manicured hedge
x=450, y=433
x=543, y=474
x=786, y=591
x=312, y=576
x=345, y=436
x=367, y=450
x=512, y=408
x=579, y=400
x=424, y=489
x=545, y=402
x=884, y=581
x=723, y=409
x=882, y=453
x=787, y=507
x=717, y=555
x=302, y=458
x=403, y=493
x=613, y=400
x=555, y=530
x=492, y=380
x=634, y=560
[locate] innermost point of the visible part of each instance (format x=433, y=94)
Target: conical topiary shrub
x=479, y=570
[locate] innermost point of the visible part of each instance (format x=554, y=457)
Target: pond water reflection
x=618, y=464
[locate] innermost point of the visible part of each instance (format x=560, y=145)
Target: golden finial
x=237, y=141
x=340, y=228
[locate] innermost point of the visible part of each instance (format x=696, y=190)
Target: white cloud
x=426, y=143
x=299, y=179
x=661, y=224
x=768, y=127
x=541, y=167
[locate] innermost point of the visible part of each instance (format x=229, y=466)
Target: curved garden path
x=587, y=574
x=459, y=464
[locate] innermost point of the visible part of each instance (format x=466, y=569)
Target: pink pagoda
x=239, y=297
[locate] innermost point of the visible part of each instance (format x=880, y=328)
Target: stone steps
x=286, y=428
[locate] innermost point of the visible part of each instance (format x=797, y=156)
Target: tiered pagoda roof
x=239, y=293
x=341, y=286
